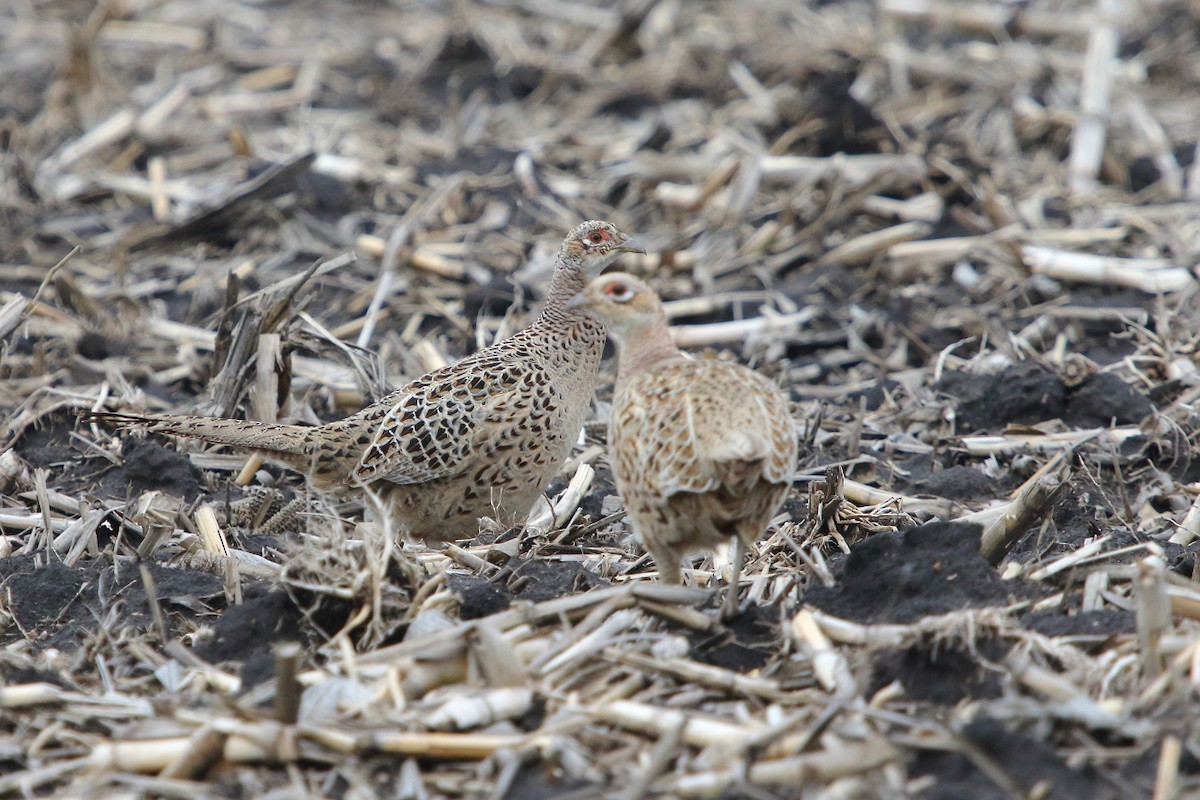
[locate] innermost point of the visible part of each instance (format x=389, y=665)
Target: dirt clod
x=942, y=673
x=1026, y=393
x=149, y=465
x=245, y=633
x=932, y=569
x=1024, y=761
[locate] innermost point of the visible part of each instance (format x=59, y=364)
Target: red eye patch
x=596, y=237
x=616, y=289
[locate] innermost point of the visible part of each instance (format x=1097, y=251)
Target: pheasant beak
x=630, y=245
x=581, y=300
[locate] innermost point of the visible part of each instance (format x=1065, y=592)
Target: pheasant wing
x=442, y=423
x=687, y=425
x=655, y=435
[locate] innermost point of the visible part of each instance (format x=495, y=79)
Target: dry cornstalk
x=270, y=742
x=24, y=522
x=546, y=517
x=212, y=538
x=1094, y=587
x=1008, y=443
x=1185, y=601
x=24, y=695
x=853, y=169
x=703, y=674
x=829, y=665
x=443, y=746
x=665, y=750
x=287, y=688
x=249, y=565
x=159, y=34
x=701, y=305
x=1167, y=773
x=423, y=676
x=1150, y=275
x=204, y=749
x=1087, y=141
x=502, y=657
x=1031, y=503
x=264, y=397
x=668, y=261
x=988, y=17
x=814, y=769
x=864, y=495
x=862, y=249
x=699, y=730
x=464, y=712
x=1189, y=526
x=689, y=336
x=561, y=607
x=847, y=632
x=782, y=169
x=611, y=627
x=220, y=681
x=684, y=617
x=1070, y=699
x=239, y=103
x=925, y=207
x=1153, y=613
x=160, y=203
x=908, y=258
x=425, y=259
x=1072, y=559
x=112, y=129
x=11, y=314
x=568, y=502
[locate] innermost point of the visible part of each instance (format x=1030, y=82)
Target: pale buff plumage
x=481, y=437
x=702, y=450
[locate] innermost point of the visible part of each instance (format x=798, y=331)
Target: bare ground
x=964, y=237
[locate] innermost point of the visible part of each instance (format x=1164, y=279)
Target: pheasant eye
x=618, y=291
x=597, y=237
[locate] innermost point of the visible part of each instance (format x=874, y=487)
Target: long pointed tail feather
x=280, y=440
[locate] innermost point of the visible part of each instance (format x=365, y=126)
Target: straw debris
x=963, y=236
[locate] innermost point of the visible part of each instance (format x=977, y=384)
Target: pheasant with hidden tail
x=702, y=450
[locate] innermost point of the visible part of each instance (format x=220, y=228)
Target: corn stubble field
x=961, y=236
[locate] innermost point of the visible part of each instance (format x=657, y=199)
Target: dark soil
x=245, y=634
x=942, y=673
x=478, y=597
x=747, y=643
x=150, y=465
x=1025, y=762
x=1029, y=393
x=957, y=483
x=1088, y=629
x=905, y=576
x=59, y=606
x=538, y=580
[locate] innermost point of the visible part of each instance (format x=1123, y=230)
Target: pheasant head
x=586, y=251
x=634, y=316
x=595, y=244
x=624, y=302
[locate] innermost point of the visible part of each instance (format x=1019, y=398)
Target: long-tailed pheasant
x=480, y=437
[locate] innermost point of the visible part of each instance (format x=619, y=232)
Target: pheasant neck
x=643, y=346
x=567, y=281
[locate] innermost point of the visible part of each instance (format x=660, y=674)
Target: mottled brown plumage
x=702, y=450
x=481, y=437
